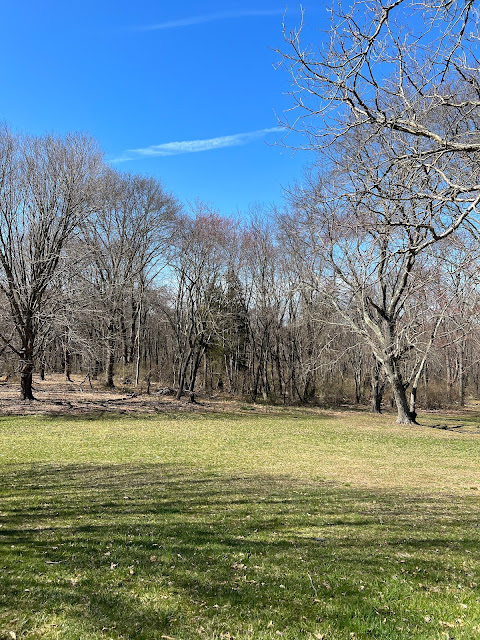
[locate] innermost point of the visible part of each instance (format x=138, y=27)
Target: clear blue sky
x=186, y=92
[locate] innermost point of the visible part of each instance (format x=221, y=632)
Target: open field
x=281, y=524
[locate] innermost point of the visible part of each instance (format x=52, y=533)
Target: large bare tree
x=46, y=187
x=391, y=100
x=403, y=67
x=373, y=229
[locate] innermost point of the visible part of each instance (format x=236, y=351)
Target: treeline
x=105, y=276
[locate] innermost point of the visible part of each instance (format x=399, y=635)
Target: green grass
x=284, y=525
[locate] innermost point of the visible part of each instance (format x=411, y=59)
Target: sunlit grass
x=291, y=524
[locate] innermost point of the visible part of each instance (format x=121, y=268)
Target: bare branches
x=45, y=190
x=409, y=68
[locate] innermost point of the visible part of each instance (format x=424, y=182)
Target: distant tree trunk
x=138, y=362
x=357, y=362
x=309, y=389
x=139, y=350
x=110, y=354
x=133, y=328
x=451, y=376
x=149, y=382
x=193, y=373
x=357, y=378
x=461, y=373
x=123, y=332
x=182, y=375
x=378, y=387
x=67, y=362
x=207, y=384
x=42, y=366
x=413, y=400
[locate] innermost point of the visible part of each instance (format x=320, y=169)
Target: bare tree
x=394, y=110
x=372, y=228
x=200, y=264
x=46, y=187
x=407, y=68
x=126, y=239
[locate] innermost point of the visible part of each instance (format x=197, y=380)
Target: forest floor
x=56, y=396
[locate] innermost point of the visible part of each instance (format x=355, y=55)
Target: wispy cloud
x=212, y=17
x=195, y=146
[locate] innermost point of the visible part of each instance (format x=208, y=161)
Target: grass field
x=285, y=525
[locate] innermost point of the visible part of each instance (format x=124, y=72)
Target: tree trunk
x=139, y=350
x=413, y=401
x=357, y=378
x=461, y=374
x=309, y=388
x=451, y=375
x=26, y=376
x=67, y=363
x=123, y=333
x=133, y=328
x=193, y=373
x=110, y=355
x=404, y=415
x=137, y=365
x=149, y=380
x=182, y=375
x=377, y=388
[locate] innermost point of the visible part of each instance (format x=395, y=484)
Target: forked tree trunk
x=182, y=375
x=404, y=415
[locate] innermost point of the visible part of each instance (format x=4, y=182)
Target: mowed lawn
x=290, y=525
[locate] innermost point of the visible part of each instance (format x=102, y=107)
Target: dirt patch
x=55, y=396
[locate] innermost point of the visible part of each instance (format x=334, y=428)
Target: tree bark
x=26, y=375
x=377, y=388
x=182, y=375
x=193, y=373
x=404, y=415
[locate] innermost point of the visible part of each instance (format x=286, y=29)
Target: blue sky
x=186, y=92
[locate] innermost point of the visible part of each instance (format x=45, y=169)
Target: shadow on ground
x=153, y=551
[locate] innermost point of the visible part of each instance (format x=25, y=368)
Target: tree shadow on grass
x=145, y=551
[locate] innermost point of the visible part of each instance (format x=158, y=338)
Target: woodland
x=362, y=288
x=186, y=446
